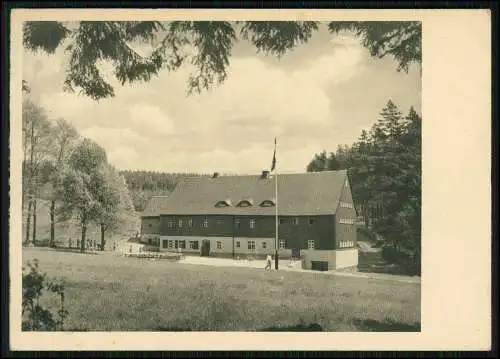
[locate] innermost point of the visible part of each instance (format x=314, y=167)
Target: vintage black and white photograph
x=254, y=176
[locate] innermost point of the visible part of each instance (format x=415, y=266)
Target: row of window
x=171, y=244
x=282, y=244
x=189, y=223
x=346, y=221
x=347, y=205
x=345, y=244
x=245, y=203
x=252, y=223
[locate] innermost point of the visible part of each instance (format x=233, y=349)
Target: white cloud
x=123, y=157
x=112, y=138
x=152, y=118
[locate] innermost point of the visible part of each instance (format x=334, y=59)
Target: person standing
x=268, y=262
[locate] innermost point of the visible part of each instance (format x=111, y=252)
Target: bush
x=407, y=264
x=390, y=254
x=45, y=242
x=35, y=317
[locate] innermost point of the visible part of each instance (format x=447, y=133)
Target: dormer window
x=268, y=203
x=247, y=202
x=224, y=203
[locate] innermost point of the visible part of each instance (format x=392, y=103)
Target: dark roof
x=311, y=193
x=154, y=205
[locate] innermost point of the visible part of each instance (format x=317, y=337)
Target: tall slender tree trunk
x=103, y=241
x=52, y=223
x=34, y=222
x=82, y=242
x=30, y=183
x=28, y=222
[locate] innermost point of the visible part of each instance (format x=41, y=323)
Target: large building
x=235, y=216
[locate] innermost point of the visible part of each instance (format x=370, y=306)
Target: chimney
x=215, y=175
x=264, y=175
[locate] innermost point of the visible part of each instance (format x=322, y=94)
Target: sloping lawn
x=110, y=293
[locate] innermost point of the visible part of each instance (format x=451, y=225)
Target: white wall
x=346, y=258
x=336, y=259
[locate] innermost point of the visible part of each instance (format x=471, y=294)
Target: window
x=219, y=245
x=295, y=221
x=180, y=223
x=237, y=223
x=182, y=244
x=190, y=223
x=222, y=204
x=170, y=223
x=164, y=244
x=268, y=203
x=310, y=244
x=264, y=245
x=311, y=221
x=205, y=223
x=252, y=223
x=237, y=244
x=251, y=245
x=245, y=203
x=282, y=244
x=219, y=222
x=282, y=220
x=170, y=244
x=193, y=245
x=150, y=225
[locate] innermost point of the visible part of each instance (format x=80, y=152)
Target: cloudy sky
x=318, y=96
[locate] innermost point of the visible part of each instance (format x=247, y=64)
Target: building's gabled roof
x=311, y=193
x=154, y=206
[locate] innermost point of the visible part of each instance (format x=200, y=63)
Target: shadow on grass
x=367, y=325
x=67, y=250
x=293, y=328
x=370, y=325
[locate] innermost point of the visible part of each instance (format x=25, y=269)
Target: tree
x=384, y=168
x=65, y=137
x=319, y=163
x=82, y=183
x=89, y=42
x=37, y=139
x=117, y=209
x=25, y=87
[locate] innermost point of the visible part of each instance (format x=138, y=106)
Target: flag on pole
x=273, y=166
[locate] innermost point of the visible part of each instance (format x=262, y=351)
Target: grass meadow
x=106, y=292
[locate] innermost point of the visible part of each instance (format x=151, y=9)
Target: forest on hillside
x=384, y=168
x=145, y=184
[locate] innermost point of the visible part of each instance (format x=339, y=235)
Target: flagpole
x=276, y=199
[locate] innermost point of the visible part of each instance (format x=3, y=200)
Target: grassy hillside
x=110, y=293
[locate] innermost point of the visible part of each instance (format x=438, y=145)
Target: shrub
x=36, y=317
x=390, y=254
x=45, y=242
